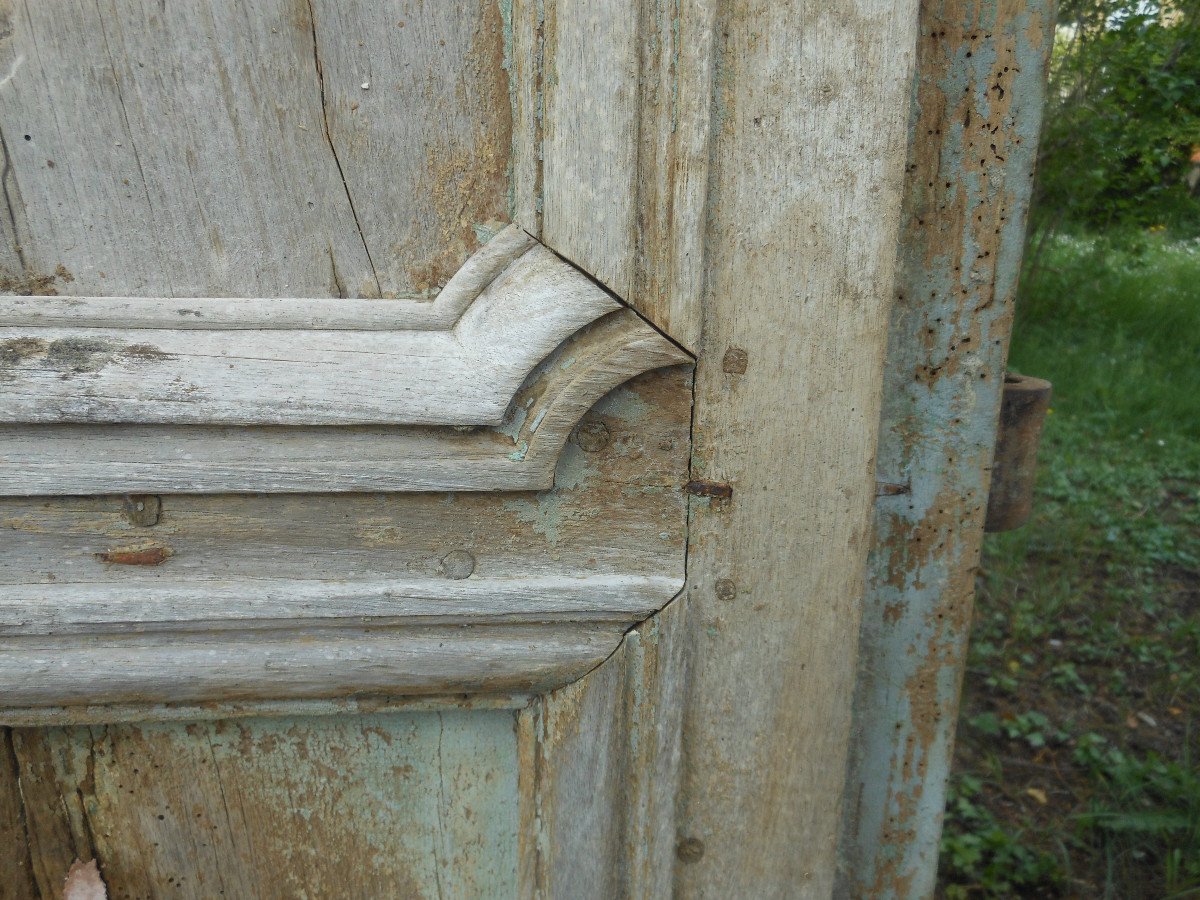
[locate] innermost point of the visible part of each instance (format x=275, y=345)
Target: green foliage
x=1032, y=727
x=1078, y=735
x=982, y=858
x=1122, y=116
x=1113, y=326
x=1148, y=807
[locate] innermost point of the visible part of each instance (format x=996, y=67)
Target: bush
x=1122, y=116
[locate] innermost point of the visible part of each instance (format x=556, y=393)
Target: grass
x=1077, y=770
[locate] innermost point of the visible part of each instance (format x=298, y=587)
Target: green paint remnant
x=574, y=471
x=514, y=422
x=625, y=405
x=519, y=454
x=537, y=420
x=506, y=9
x=386, y=785
x=567, y=363
x=485, y=231
x=545, y=514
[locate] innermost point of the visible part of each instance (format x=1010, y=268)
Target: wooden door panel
x=393, y=450
x=245, y=596
x=241, y=150
x=376, y=805
x=498, y=556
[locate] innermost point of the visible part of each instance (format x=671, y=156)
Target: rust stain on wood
x=980, y=72
x=136, y=556
x=709, y=489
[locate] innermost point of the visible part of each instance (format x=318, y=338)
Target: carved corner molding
x=476, y=390
x=357, y=592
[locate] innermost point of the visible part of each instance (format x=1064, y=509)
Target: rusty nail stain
x=725, y=589
x=142, y=509
x=735, y=361
x=891, y=489
x=709, y=489
x=136, y=556
x=592, y=437
x=458, y=564
x=690, y=850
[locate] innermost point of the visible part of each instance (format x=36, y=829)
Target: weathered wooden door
x=436, y=440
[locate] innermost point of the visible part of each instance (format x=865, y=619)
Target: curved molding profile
x=40, y=676
x=476, y=390
x=247, y=599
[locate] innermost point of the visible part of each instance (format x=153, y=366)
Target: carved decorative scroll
x=476, y=390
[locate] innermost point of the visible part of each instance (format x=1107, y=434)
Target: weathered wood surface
x=731, y=170
x=976, y=115
x=363, y=705
x=441, y=313
x=626, y=90
x=807, y=171
x=280, y=149
x=548, y=571
x=307, y=150
x=520, y=454
x=600, y=772
x=314, y=662
x=156, y=373
x=381, y=805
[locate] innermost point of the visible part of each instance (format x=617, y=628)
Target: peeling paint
x=973, y=141
x=325, y=806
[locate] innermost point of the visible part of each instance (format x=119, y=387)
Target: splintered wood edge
x=520, y=454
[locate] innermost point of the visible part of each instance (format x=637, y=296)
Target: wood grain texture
x=231, y=709
x=600, y=772
x=156, y=373
x=518, y=339
x=248, y=593
x=362, y=705
x=259, y=165
x=675, y=109
x=308, y=663
x=260, y=314
x=809, y=148
x=525, y=24
x=590, y=142
x=17, y=880
x=285, y=149
x=976, y=116
x=520, y=454
x=407, y=805
x=627, y=92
